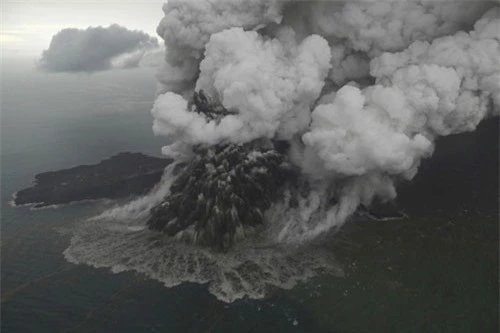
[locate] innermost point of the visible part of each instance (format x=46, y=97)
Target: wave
x=117, y=239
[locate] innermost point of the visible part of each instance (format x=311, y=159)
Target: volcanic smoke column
x=357, y=90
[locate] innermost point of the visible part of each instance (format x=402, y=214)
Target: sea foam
x=117, y=239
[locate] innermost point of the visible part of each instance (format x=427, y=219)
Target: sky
x=28, y=26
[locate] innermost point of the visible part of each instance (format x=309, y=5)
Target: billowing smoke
x=96, y=49
x=359, y=89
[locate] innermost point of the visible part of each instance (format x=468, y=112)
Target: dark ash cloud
x=96, y=49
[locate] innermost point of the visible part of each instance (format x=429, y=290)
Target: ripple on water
x=248, y=270
x=118, y=239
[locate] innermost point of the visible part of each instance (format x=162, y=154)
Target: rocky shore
x=119, y=176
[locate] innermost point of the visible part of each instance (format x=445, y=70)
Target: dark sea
x=430, y=272
x=55, y=121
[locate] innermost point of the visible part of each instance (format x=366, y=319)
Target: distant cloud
x=96, y=49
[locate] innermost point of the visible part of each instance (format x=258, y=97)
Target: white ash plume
x=359, y=89
x=188, y=25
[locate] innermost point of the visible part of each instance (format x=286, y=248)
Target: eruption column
x=358, y=90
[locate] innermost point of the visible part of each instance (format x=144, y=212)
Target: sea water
x=49, y=279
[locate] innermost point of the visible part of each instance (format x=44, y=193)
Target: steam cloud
x=97, y=49
x=360, y=89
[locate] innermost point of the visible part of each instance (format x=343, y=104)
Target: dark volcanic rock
x=380, y=211
x=120, y=176
x=222, y=191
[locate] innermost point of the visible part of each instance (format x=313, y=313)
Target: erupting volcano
x=286, y=118
x=355, y=93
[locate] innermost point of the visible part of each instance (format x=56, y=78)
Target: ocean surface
x=55, y=121
x=63, y=270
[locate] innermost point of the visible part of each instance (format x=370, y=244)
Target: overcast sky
x=28, y=26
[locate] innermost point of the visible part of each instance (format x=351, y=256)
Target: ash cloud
x=360, y=89
x=97, y=49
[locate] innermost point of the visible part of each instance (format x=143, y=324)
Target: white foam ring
x=118, y=239
x=139, y=209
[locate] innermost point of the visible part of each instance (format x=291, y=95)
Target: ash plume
x=359, y=90
x=96, y=49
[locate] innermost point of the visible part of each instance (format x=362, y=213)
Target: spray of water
x=117, y=239
x=138, y=209
x=359, y=89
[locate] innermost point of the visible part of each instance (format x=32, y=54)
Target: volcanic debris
x=223, y=192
